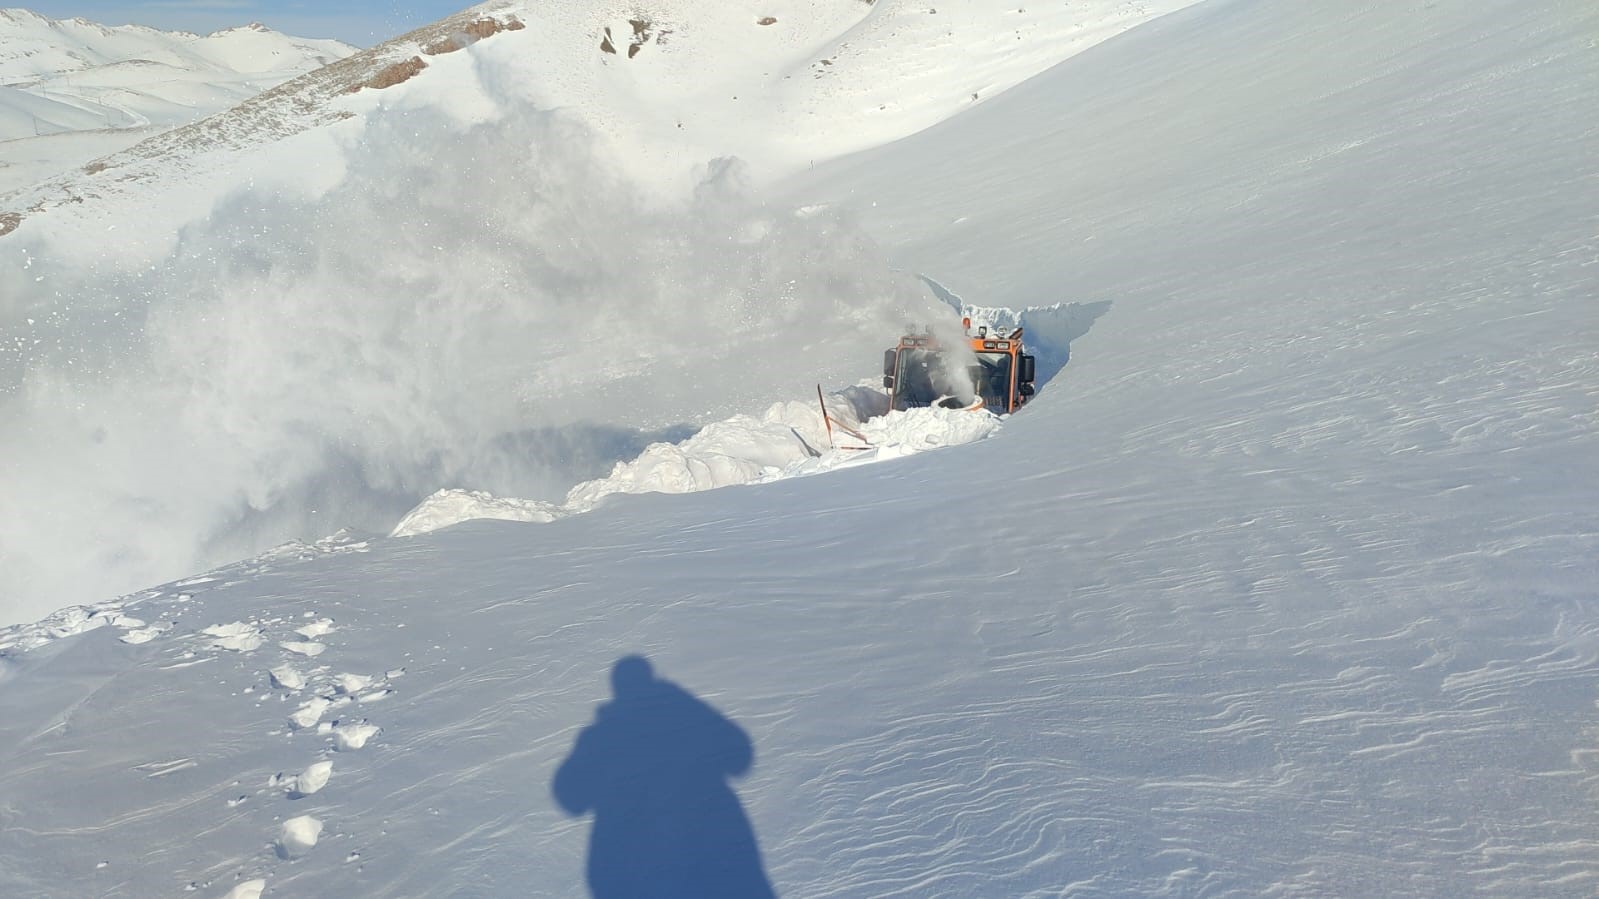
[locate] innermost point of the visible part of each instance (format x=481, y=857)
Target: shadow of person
x=653, y=768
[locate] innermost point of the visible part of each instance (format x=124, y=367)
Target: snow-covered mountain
x=659, y=86
x=543, y=125
x=39, y=50
x=1283, y=585
x=72, y=91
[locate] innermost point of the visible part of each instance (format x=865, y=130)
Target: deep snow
x=1284, y=586
x=446, y=285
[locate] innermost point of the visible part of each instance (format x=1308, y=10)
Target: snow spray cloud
x=958, y=358
x=488, y=306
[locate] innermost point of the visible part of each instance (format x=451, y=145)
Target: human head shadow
x=653, y=767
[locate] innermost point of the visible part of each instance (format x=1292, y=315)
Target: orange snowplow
x=924, y=371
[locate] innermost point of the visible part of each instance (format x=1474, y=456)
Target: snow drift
x=788, y=440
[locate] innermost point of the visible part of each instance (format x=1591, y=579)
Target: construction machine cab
x=980, y=372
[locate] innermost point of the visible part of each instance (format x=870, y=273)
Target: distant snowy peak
x=268, y=111
x=72, y=91
x=257, y=48
x=34, y=46
x=664, y=85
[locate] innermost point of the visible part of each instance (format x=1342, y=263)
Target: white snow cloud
x=484, y=306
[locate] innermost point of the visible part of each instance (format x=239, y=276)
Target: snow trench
x=788, y=440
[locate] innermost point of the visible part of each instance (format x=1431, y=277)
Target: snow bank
x=450, y=506
x=789, y=440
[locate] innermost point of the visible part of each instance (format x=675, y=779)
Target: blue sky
x=360, y=22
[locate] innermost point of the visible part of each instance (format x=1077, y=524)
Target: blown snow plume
x=480, y=305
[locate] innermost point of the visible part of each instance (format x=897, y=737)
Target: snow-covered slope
x=72, y=91
x=659, y=84
x=1283, y=586
x=38, y=50
x=189, y=312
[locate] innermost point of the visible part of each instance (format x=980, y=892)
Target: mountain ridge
x=73, y=90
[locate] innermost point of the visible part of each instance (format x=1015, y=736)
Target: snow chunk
x=316, y=628
x=918, y=429
x=249, y=889
x=351, y=683
x=68, y=622
x=682, y=468
x=286, y=677
x=739, y=450
x=309, y=713
x=447, y=507
x=787, y=440
x=236, y=636
x=77, y=620
x=298, y=836
x=353, y=736
x=312, y=779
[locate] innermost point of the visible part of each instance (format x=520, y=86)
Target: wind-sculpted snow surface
x=491, y=307
x=1284, y=587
